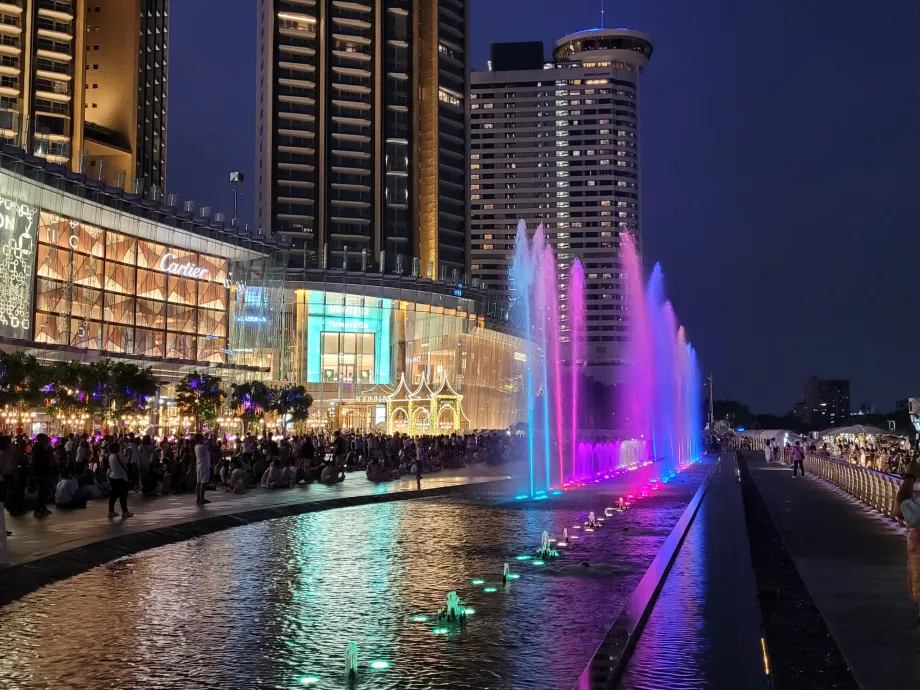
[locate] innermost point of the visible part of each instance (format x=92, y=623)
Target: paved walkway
x=38, y=538
x=706, y=621
x=853, y=565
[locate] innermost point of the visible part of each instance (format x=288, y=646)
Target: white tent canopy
x=857, y=430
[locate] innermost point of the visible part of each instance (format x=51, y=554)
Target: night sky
x=779, y=143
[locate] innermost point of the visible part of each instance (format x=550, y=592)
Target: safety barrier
x=876, y=489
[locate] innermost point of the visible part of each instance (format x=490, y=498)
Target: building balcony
x=305, y=150
x=11, y=7
x=353, y=56
x=54, y=35
x=352, y=23
x=352, y=88
x=296, y=50
x=352, y=6
x=10, y=70
x=10, y=29
x=9, y=91
x=54, y=54
x=48, y=74
x=298, y=83
x=62, y=10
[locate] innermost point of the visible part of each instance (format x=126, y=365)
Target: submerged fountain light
x=309, y=680
x=419, y=619
x=538, y=562
x=477, y=581
x=514, y=576
x=489, y=590
x=380, y=665
x=523, y=557
x=469, y=611
x=441, y=631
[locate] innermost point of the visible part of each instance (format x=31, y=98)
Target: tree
x=63, y=390
x=250, y=400
x=200, y=395
x=132, y=387
x=735, y=413
x=21, y=380
x=293, y=401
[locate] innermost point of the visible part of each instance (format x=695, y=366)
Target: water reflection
x=270, y=604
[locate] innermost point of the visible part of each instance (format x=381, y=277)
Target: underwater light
x=440, y=631
x=556, y=492
x=489, y=590
x=514, y=576
x=521, y=497
x=562, y=543
x=380, y=665
x=419, y=619
x=469, y=611
x=538, y=562
x=309, y=680
x=478, y=582
x=523, y=557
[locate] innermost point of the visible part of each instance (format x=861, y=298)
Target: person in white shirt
x=67, y=493
x=118, y=479
x=203, y=468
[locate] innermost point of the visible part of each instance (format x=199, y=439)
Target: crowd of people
x=70, y=471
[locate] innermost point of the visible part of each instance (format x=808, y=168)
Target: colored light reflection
x=441, y=631
x=514, y=576
x=309, y=680
x=523, y=557
x=538, y=562
x=419, y=619
x=489, y=590
x=469, y=611
x=380, y=665
x=478, y=582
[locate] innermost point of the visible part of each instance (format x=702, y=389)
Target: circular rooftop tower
x=619, y=45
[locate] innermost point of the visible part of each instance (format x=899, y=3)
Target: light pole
x=236, y=178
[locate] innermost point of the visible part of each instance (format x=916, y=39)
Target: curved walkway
x=67, y=543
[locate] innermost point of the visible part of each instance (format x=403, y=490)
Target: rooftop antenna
x=602, y=14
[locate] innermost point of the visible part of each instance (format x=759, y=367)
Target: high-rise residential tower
x=83, y=83
x=361, y=142
x=556, y=143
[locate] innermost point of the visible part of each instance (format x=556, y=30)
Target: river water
x=274, y=604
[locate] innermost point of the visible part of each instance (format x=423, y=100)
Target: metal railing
x=876, y=489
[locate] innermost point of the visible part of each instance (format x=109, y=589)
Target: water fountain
x=453, y=611
x=546, y=551
x=657, y=410
x=351, y=661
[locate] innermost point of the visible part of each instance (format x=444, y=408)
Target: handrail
x=876, y=489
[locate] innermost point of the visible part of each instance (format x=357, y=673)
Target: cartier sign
x=186, y=270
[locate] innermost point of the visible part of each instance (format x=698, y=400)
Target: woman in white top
x=118, y=478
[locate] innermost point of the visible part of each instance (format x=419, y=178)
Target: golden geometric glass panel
x=87, y=270
x=180, y=318
x=52, y=328
x=119, y=278
x=212, y=295
x=53, y=263
x=86, y=334
x=182, y=256
x=151, y=314
x=119, y=339
x=52, y=296
x=87, y=303
x=120, y=248
x=53, y=229
x=151, y=284
x=212, y=322
x=150, y=254
x=148, y=343
x=181, y=290
x=87, y=239
x=119, y=309
x=180, y=346
x=215, y=266
x=212, y=349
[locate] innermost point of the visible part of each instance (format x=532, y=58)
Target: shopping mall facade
x=89, y=273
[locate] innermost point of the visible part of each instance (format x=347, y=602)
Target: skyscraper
x=83, y=83
x=361, y=141
x=556, y=143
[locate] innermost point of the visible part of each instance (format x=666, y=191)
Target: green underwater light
x=380, y=665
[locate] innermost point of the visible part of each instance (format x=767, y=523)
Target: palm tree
x=199, y=395
x=293, y=401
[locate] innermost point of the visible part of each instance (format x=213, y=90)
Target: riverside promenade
x=781, y=583
x=66, y=543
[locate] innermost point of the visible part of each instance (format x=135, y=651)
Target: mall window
x=348, y=357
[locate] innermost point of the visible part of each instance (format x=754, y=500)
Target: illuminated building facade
x=83, y=83
x=88, y=273
x=557, y=143
x=361, y=138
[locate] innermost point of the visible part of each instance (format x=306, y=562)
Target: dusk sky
x=779, y=150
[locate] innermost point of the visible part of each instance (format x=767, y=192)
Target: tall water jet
x=575, y=315
x=521, y=279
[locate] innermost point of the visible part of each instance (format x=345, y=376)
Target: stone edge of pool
x=609, y=660
x=20, y=580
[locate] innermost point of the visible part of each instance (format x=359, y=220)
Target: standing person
x=339, y=448
x=418, y=474
x=203, y=468
x=41, y=470
x=798, y=459
x=6, y=482
x=768, y=452
x=118, y=481
x=907, y=507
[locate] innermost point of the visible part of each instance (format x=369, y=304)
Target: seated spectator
x=237, y=483
x=275, y=477
x=152, y=481
x=67, y=494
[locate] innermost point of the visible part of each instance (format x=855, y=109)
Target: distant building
x=556, y=143
x=826, y=404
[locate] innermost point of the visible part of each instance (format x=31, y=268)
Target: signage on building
x=187, y=270
x=17, y=267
